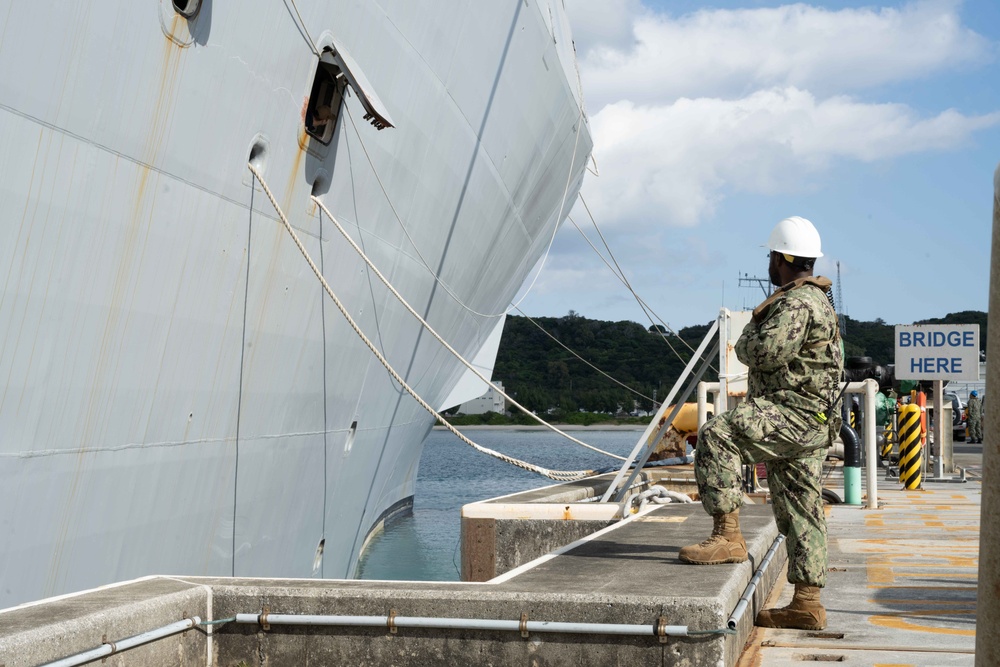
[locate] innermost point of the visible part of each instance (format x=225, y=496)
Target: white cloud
x=670, y=164
x=730, y=53
x=688, y=111
x=604, y=23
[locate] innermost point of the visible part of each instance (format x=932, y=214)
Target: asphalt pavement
x=902, y=582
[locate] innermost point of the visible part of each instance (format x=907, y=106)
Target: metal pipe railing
x=392, y=622
x=111, y=648
x=747, y=596
x=442, y=623
x=704, y=389
x=869, y=388
x=265, y=619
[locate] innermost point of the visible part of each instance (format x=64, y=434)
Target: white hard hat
x=795, y=236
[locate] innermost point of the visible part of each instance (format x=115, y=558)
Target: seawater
x=424, y=546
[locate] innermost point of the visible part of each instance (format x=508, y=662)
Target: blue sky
x=712, y=121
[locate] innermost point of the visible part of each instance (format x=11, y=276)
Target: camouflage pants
x=975, y=425
x=793, y=446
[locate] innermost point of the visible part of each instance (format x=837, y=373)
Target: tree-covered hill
x=542, y=374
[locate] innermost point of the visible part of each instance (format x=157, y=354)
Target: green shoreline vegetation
x=552, y=381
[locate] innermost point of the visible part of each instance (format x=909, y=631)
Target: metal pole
x=869, y=388
x=427, y=622
x=649, y=446
x=111, y=648
x=938, y=429
x=988, y=596
x=747, y=596
x=704, y=389
x=871, y=447
x=653, y=424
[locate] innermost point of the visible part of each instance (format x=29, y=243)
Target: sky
x=712, y=121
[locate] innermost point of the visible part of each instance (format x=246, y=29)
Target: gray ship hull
x=178, y=396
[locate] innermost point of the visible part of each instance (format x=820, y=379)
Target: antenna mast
x=840, y=305
x=840, y=296
x=765, y=283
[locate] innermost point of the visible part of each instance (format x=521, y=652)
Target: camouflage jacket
x=974, y=408
x=792, y=348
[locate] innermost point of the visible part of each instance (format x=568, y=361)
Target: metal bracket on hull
x=263, y=618
x=391, y=622
x=376, y=112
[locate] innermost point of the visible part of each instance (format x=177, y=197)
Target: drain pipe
x=747, y=596
x=524, y=626
x=660, y=629
x=111, y=648
x=852, y=464
x=869, y=388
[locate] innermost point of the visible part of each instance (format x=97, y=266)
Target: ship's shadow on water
x=425, y=546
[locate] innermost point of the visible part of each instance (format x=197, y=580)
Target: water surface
x=425, y=545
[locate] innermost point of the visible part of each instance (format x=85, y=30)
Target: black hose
x=831, y=497
x=852, y=446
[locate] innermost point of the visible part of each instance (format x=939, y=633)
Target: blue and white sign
x=937, y=352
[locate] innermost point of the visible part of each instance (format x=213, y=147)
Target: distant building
x=491, y=401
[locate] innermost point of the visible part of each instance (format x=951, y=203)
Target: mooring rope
x=559, y=475
x=416, y=248
x=573, y=352
x=302, y=24
x=454, y=352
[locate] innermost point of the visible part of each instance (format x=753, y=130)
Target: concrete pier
x=501, y=534
x=902, y=590
x=626, y=574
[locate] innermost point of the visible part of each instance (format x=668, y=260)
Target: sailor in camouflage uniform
x=974, y=411
x=794, y=355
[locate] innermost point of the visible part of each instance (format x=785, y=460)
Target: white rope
x=541, y=265
x=620, y=274
x=406, y=233
x=433, y=273
x=302, y=24
x=639, y=300
x=595, y=171
x=560, y=475
x=562, y=203
x=443, y=342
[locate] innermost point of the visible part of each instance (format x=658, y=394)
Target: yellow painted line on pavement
x=887, y=601
x=915, y=528
x=883, y=575
x=915, y=560
x=896, y=622
x=971, y=589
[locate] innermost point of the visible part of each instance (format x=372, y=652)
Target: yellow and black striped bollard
x=888, y=442
x=910, y=451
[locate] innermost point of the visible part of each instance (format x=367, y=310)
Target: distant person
x=795, y=358
x=974, y=419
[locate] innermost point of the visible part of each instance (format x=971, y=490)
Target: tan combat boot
x=804, y=613
x=726, y=545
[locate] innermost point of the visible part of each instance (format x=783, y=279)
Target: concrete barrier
x=626, y=574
